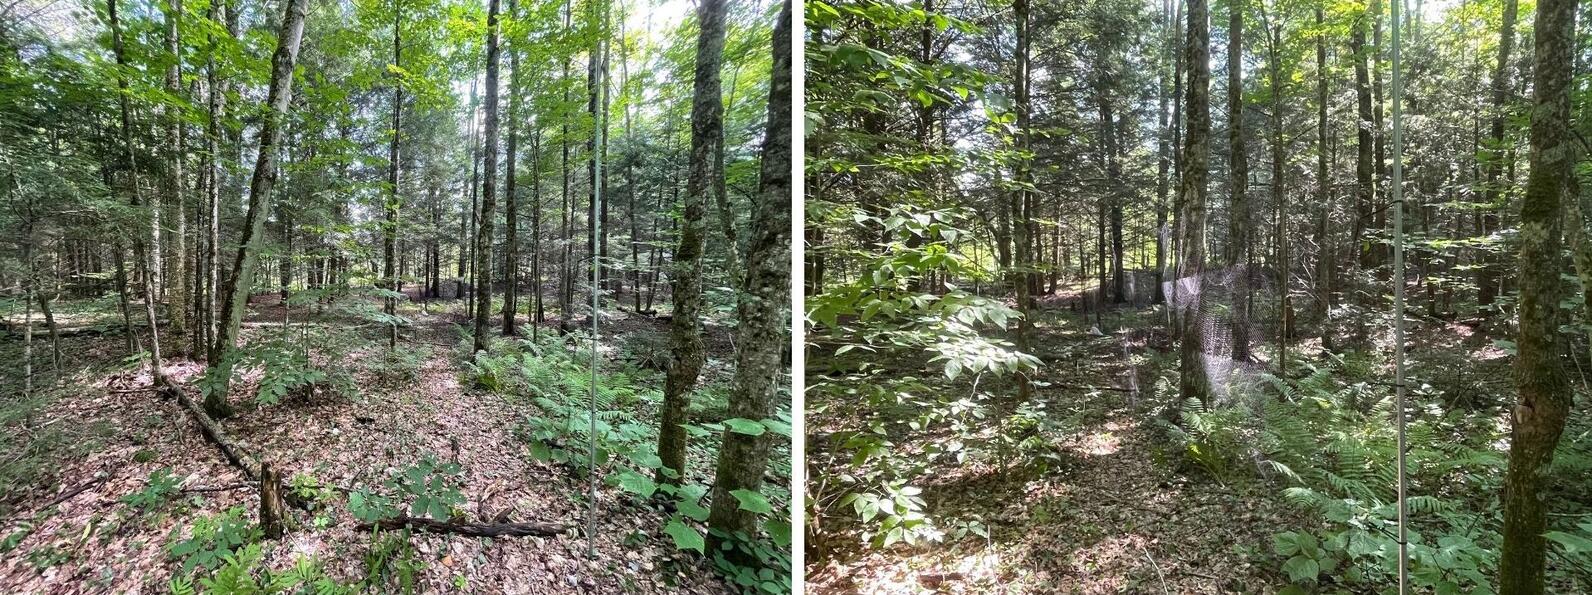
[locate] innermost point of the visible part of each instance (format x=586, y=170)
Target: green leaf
x=745, y=426
x=1285, y=543
x=540, y=451
x=1301, y=569
x=692, y=509
x=752, y=501
x=637, y=484
x=1572, y=543
x=685, y=537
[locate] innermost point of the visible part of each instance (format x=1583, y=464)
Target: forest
x=395, y=296
x=1192, y=296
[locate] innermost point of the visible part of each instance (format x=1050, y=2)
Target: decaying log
x=471, y=529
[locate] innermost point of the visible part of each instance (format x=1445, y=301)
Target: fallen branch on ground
x=228, y=488
x=1091, y=387
x=69, y=494
x=234, y=452
x=471, y=529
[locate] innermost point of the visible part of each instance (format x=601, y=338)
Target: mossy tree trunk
x=685, y=332
x=1538, y=417
x=763, y=308
x=1192, y=380
x=235, y=294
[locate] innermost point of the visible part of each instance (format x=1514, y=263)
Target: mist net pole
x=599, y=125
x=1398, y=291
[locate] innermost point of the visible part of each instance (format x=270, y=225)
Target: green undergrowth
x=1326, y=445
x=554, y=375
x=225, y=552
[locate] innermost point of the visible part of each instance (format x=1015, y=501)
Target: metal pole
x=1398, y=291
x=599, y=125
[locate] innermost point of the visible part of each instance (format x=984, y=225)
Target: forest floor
x=104, y=433
x=1113, y=507
x=1110, y=516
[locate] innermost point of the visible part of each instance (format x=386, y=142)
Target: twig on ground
x=226, y=488
x=471, y=529
x=1157, y=568
x=64, y=496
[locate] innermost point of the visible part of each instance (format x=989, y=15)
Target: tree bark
x=1238, y=228
x=273, y=511
x=1163, y=161
x=1538, y=417
x=1326, y=267
x=1280, y=198
x=1193, y=383
x=763, y=332
x=1022, y=262
x=389, y=228
x=174, y=157
x=511, y=222
x=483, y=262
x=241, y=281
x=685, y=335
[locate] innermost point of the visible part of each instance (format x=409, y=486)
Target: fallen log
x=470, y=529
x=207, y=489
x=235, y=452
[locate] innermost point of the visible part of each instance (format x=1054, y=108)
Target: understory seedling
x=212, y=539
x=158, y=489
x=425, y=489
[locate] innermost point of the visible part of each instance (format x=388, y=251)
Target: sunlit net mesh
x=1214, y=299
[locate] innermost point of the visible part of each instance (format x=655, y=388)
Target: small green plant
x=212, y=539
x=391, y=561
x=307, y=487
x=158, y=489
x=241, y=572
x=754, y=565
x=14, y=539
x=398, y=366
x=48, y=556
x=285, y=369
x=430, y=489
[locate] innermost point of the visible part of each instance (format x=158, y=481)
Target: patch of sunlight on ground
x=1100, y=443
x=1488, y=353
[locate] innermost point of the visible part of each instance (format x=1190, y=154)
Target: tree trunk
x=149, y=266
x=174, y=157
x=1238, y=227
x=1486, y=271
x=1364, y=168
x=685, y=335
x=483, y=262
x=536, y=229
x=1538, y=418
x=1020, y=228
x=273, y=511
x=1193, y=383
x=1163, y=161
x=389, y=228
x=241, y=280
x=1280, y=198
x=763, y=333
x=1326, y=268
x=511, y=222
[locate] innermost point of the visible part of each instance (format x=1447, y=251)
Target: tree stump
x=273, y=510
